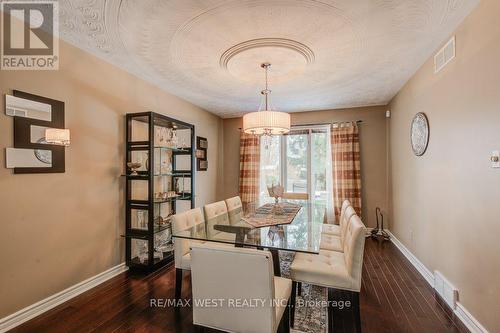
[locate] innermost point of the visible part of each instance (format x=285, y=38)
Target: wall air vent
x=445, y=289
x=445, y=55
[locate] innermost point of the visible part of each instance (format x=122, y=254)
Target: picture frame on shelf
x=201, y=153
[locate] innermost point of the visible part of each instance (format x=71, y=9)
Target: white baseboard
x=460, y=311
x=469, y=321
x=426, y=273
x=50, y=302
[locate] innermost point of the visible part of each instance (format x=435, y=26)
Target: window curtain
x=249, y=167
x=346, y=166
x=330, y=214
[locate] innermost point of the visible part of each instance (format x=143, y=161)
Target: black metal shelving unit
x=148, y=228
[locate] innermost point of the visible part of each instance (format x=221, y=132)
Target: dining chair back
x=181, y=222
x=333, y=235
x=345, y=204
x=236, y=274
x=354, y=245
x=182, y=258
x=234, y=210
x=215, y=213
x=295, y=196
x=344, y=222
x=335, y=229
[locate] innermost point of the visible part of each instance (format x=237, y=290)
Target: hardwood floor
x=394, y=298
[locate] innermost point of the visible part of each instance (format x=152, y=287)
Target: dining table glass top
x=237, y=227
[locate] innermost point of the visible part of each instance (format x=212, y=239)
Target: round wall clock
x=419, y=134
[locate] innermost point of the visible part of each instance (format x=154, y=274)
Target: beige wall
x=448, y=199
x=372, y=144
x=59, y=229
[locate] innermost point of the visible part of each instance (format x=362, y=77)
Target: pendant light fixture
x=266, y=122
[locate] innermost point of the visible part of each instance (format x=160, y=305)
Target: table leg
x=276, y=262
x=240, y=239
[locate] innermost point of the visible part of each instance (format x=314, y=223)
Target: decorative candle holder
x=276, y=191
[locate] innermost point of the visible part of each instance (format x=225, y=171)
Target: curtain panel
x=346, y=167
x=249, y=167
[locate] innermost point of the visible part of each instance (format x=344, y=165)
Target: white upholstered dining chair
x=234, y=210
x=228, y=274
x=332, y=235
x=295, y=196
x=182, y=257
x=337, y=271
x=216, y=214
x=334, y=229
x=336, y=242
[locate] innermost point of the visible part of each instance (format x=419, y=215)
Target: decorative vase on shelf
x=142, y=249
x=146, y=161
x=176, y=185
x=174, y=139
x=141, y=221
x=158, y=136
x=165, y=167
x=134, y=166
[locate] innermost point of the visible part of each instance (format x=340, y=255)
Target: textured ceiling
x=324, y=53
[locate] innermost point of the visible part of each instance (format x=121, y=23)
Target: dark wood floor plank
x=159, y=282
x=420, y=313
x=394, y=298
x=422, y=289
x=160, y=288
x=382, y=310
x=399, y=310
x=48, y=320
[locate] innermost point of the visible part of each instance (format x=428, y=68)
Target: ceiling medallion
x=266, y=122
x=289, y=44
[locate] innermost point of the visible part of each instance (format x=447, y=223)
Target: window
x=299, y=160
x=270, y=163
x=296, y=162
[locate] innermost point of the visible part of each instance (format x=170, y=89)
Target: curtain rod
x=330, y=123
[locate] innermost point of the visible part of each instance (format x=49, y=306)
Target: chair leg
x=287, y=317
x=178, y=283
x=281, y=326
x=356, y=311
x=345, y=319
x=299, y=288
x=292, y=303
x=284, y=325
x=330, y=311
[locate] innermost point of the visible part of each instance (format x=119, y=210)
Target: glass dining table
x=303, y=234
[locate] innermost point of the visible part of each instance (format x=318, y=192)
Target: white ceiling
x=325, y=53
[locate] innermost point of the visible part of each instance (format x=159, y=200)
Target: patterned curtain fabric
x=249, y=168
x=346, y=167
